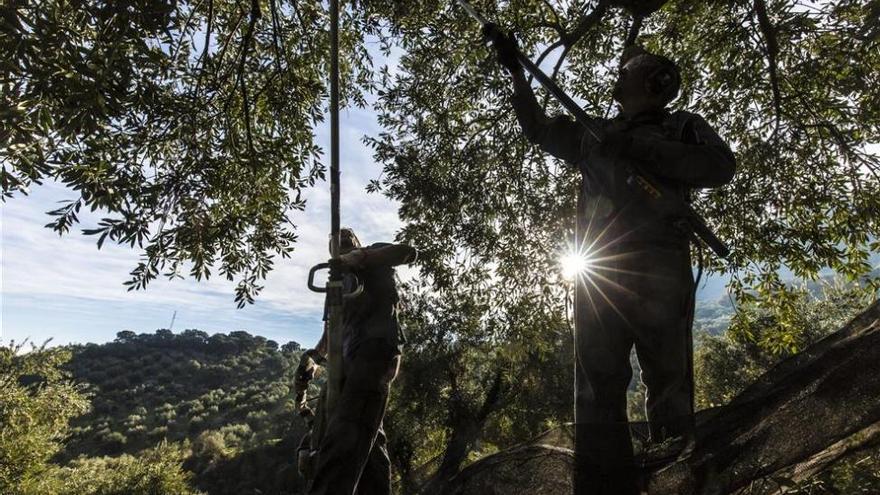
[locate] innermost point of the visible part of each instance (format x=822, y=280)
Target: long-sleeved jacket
x=680, y=150
x=373, y=313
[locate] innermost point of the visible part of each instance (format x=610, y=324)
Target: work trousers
x=642, y=299
x=352, y=457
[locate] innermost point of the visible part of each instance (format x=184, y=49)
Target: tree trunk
x=869, y=438
x=468, y=426
x=457, y=449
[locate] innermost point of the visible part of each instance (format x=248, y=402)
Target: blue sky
x=65, y=289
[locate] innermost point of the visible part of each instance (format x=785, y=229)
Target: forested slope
x=186, y=413
x=227, y=396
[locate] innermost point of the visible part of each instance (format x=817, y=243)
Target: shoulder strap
x=679, y=126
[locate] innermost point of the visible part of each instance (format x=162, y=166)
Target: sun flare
x=573, y=264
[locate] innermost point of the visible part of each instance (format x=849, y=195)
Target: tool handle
x=312, y=272
x=705, y=234
x=358, y=286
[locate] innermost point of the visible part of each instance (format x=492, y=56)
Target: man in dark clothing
x=352, y=457
x=638, y=287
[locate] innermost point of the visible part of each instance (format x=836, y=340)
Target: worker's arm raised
x=559, y=136
x=379, y=255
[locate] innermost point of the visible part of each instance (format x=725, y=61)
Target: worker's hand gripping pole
x=641, y=179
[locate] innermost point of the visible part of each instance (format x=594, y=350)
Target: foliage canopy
x=192, y=124
x=37, y=399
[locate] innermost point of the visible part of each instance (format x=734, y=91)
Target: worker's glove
x=505, y=46
x=302, y=406
x=300, y=401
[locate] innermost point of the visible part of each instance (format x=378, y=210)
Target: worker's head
x=347, y=240
x=646, y=81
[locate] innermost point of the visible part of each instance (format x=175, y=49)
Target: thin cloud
x=77, y=291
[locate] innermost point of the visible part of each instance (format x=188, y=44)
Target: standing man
x=352, y=457
x=638, y=289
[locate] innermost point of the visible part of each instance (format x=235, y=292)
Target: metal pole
x=334, y=286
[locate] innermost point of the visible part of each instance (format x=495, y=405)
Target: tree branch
x=583, y=26
x=568, y=40
x=255, y=15
x=559, y=62
x=548, y=51
x=183, y=31
x=275, y=29
x=552, y=11
x=554, y=73
x=634, y=30
x=203, y=58
x=493, y=396
x=771, y=51
x=557, y=21
x=552, y=25
x=586, y=23
x=295, y=6
x=222, y=53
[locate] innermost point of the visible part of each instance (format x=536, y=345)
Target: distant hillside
x=229, y=396
x=227, y=400
x=713, y=317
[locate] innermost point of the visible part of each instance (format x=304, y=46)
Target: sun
x=573, y=264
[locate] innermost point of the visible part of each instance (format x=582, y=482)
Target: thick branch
x=203, y=58
x=256, y=14
x=750, y=439
x=640, y=8
x=634, y=30
x=586, y=23
x=493, y=396
x=869, y=438
x=768, y=31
